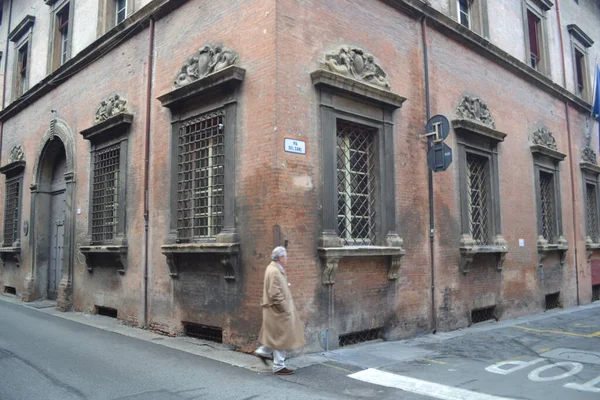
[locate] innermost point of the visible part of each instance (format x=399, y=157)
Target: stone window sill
x=10, y=254
x=332, y=255
x=229, y=254
x=468, y=253
x=544, y=248
x=118, y=253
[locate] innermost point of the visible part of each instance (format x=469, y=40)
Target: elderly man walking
x=281, y=328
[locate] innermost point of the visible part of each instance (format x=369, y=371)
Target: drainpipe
x=4, y=77
x=429, y=179
x=562, y=53
x=149, y=77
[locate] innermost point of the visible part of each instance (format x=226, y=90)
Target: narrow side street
x=45, y=354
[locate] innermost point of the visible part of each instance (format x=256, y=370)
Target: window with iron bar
x=105, y=193
x=591, y=201
x=200, y=177
x=12, y=211
x=548, y=206
x=356, y=183
x=478, y=197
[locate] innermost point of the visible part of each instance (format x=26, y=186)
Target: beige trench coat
x=281, y=328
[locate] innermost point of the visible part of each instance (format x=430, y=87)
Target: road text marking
x=591, y=335
x=419, y=386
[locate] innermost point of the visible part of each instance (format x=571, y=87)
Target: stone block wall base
x=64, y=300
x=29, y=293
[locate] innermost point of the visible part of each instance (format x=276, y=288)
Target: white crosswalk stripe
x=419, y=386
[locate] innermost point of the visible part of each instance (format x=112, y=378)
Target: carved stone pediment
x=474, y=109
x=16, y=154
x=209, y=59
x=355, y=63
x=543, y=137
x=589, y=156
x=110, y=107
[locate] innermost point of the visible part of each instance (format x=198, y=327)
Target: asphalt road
x=552, y=356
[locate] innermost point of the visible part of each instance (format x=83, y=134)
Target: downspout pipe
x=562, y=53
x=5, y=56
x=429, y=179
x=150, y=78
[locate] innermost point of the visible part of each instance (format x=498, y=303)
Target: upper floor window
x=536, y=41
x=464, y=12
x=21, y=84
x=21, y=37
x=580, y=42
x=61, y=34
x=121, y=10
x=111, y=13
x=472, y=14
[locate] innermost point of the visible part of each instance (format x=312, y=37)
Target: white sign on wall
x=294, y=146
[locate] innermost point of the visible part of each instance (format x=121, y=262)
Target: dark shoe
x=262, y=358
x=284, y=371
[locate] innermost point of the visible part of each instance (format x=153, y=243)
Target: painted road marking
x=419, y=386
x=590, y=335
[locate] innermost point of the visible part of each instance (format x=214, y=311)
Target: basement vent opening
x=204, y=332
x=351, y=338
x=106, y=311
x=595, y=292
x=483, y=314
x=552, y=301
x=10, y=290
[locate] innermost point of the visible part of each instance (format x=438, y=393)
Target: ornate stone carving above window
x=208, y=60
x=357, y=64
x=545, y=144
x=474, y=109
x=110, y=107
x=16, y=154
x=588, y=155
x=112, y=120
x=543, y=137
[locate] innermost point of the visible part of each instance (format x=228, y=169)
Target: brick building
x=154, y=153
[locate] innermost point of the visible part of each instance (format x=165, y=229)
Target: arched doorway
x=52, y=219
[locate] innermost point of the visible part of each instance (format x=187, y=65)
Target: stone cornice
x=322, y=77
x=465, y=125
x=483, y=47
x=139, y=21
x=543, y=4
x=537, y=149
x=590, y=168
x=580, y=35
x=22, y=28
x=115, y=125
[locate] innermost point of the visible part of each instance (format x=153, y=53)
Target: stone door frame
x=59, y=130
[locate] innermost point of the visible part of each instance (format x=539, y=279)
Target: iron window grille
x=478, y=197
x=592, y=211
x=356, y=183
x=200, y=177
x=11, y=212
x=548, y=206
x=105, y=193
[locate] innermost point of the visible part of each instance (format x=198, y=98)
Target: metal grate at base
x=595, y=292
x=553, y=301
x=351, y=338
x=10, y=290
x=204, y=332
x=106, y=311
x=483, y=314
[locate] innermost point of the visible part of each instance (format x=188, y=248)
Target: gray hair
x=278, y=252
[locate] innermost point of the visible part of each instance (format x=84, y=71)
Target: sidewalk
x=375, y=354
